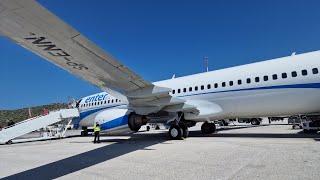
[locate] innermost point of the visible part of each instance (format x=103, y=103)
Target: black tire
x=255, y=122
x=185, y=132
x=225, y=123
x=9, y=142
x=175, y=132
x=84, y=133
x=208, y=128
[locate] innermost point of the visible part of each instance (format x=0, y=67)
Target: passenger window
x=108, y=101
x=304, y=72
x=179, y=91
x=284, y=75
x=95, y=103
x=190, y=89
x=315, y=71
x=294, y=74
x=248, y=80
x=223, y=84
x=173, y=91
x=184, y=89
x=215, y=85
x=209, y=86
x=274, y=77
x=196, y=88
x=230, y=83
x=265, y=78
x=116, y=100
x=112, y=101
x=202, y=87
x=257, y=79
x=239, y=82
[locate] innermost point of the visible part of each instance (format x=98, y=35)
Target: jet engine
x=119, y=121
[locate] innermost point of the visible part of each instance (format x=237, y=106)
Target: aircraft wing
x=32, y=26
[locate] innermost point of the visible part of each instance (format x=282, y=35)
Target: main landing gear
x=208, y=128
x=178, y=132
x=178, y=129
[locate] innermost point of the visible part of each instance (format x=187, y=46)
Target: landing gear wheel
x=208, y=128
x=185, y=133
x=9, y=142
x=225, y=123
x=84, y=133
x=175, y=132
x=255, y=122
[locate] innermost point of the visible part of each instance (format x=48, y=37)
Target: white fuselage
x=283, y=86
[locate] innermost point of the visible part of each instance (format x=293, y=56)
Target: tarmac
x=236, y=152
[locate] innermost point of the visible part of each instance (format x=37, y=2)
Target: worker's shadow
x=84, y=160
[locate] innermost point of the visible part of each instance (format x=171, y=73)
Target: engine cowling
x=119, y=121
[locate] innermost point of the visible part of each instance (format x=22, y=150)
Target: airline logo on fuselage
x=99, y=97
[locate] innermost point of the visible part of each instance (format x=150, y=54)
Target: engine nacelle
x=119, y=121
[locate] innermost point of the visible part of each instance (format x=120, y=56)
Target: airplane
x=282, y=86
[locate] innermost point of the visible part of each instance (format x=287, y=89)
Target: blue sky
x=159, y=38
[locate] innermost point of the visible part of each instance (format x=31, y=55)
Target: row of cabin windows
x=100, y=103
x=248, y=81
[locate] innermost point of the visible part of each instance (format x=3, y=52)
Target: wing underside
x=35, y=28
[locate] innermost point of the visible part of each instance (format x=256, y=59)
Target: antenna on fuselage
x=206, y=63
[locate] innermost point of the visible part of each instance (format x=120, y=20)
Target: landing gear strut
x=208, y=128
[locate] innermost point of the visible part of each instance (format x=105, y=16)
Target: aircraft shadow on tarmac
x=124, y=146
x=81, y=161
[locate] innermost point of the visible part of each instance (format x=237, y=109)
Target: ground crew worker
x=96, y=130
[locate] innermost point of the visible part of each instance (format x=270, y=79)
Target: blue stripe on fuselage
x=123, y=120
x=84, y=114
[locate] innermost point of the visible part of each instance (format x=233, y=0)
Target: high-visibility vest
x=96, y=128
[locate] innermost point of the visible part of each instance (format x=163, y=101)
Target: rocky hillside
x=22, y=114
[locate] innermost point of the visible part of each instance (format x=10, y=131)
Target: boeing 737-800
x=283, y=86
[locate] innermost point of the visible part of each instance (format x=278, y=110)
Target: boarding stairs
x=32, y=124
